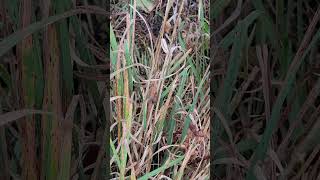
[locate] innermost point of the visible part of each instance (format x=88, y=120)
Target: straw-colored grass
x=160, y=92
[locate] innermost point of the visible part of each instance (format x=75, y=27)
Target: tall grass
x=268, y=78
x=53, y=122
x=160, y=96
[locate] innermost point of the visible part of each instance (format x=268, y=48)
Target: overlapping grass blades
x=51, y=142
x=274, y=91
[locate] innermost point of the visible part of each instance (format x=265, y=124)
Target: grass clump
x=53, y=122
x=266, y=91
x=160, y=92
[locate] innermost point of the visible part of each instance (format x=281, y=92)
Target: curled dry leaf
x=167, y=27
x=164, y=46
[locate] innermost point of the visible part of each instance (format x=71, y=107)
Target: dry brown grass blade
x=234, y=16
x=15, y=115
x=174, y=33
x=305, y=144
x=273, y=155
x=132, y=40
x=306, y=105
x=224, y=123
x=101, y=153
x=302, y=147
x=119, y=102
x=158, y=44
x=66, y=140
x=19, y=35
x=304, y=44
x=311, y=157
x=188, y=155
x=128, y=103
x=52, y=102
x=262, y=54
x=166, y=106
x=80, y=62
x=46, y=60
x=30, y=163
x=237, y=98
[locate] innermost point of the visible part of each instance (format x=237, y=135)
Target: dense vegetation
x=53, y=114
x=265, y=86
x=160, y=89
x=55, y=111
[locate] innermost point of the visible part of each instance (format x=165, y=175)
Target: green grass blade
x=161, y=169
